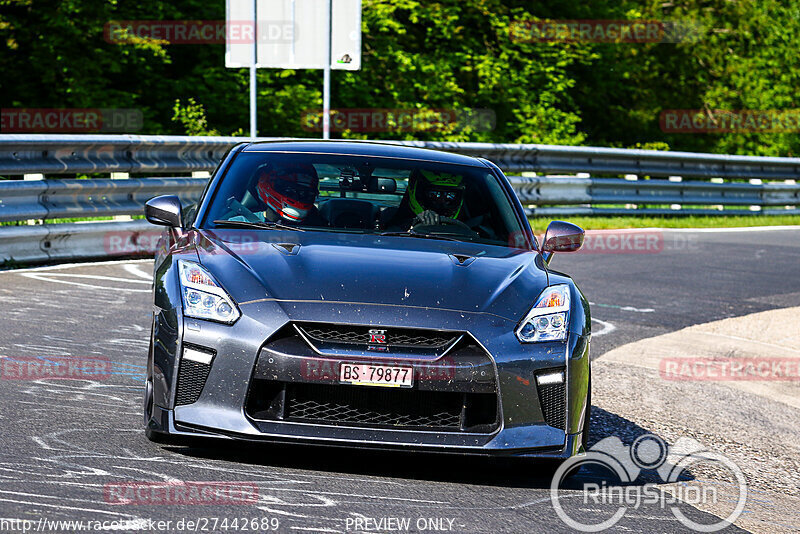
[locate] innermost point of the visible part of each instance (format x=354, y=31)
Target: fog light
x=550, y=378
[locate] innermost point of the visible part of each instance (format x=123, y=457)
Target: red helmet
x=289, y=189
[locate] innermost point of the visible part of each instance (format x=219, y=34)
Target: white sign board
x=291, y=34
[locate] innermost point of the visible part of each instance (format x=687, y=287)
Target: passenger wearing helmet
x=288, y=192
x=430, y=197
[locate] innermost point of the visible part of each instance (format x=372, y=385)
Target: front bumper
x=242, y=360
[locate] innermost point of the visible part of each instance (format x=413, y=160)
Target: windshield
x=361, y=194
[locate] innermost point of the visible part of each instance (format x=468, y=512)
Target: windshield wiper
x=266, y=224
x=423, y=236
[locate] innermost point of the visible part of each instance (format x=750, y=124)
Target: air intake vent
x=366, y=335
x=192, y=377
x=373, y=407
x=553, y=400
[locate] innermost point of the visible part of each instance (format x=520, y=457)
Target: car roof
x=363, y=148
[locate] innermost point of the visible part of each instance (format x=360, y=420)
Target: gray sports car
x=365, y=295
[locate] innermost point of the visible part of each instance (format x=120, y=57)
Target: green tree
x=440, y=55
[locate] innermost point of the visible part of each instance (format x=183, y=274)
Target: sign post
x=326, y=76
x=253, y=79
x=293, y=34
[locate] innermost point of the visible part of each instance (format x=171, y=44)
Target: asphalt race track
x=65, y=441
x=687, y=277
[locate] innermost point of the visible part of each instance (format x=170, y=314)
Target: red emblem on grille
x=377, y=336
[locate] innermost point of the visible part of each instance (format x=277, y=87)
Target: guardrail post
x=791, y=182
x=27, y=177
x=719, y=207
x=631, y=178
x=756, y=181
x=675, y=179
x=121, y=176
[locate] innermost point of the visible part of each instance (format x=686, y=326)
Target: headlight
x=203, y=297
x=548, y=319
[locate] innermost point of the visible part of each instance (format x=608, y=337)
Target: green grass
x=539, y=224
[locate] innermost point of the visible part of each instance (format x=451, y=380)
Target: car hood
x=370, y=269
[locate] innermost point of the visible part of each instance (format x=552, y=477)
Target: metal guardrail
x=66, y=154
x=77, y=241
x=544, y=195
x=53, y=199
x=570, y=191
x=70, y=154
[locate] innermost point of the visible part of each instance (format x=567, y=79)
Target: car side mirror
x=561, y=236
x=164, y=211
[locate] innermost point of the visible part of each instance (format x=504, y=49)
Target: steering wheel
x=234, y=208
x=459, y=227
x=444, y=221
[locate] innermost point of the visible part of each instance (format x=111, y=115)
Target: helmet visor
x=443, y=201
x=295, y=191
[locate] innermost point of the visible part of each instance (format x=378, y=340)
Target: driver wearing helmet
x=288, y=191
x=430, y=198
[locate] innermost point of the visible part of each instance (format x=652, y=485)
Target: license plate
x=376, y=375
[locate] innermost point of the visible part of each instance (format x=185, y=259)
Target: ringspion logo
x=604, y=504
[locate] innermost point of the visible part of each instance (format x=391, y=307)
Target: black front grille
x=553, y=400
x=192, y=377
x=373, y=406
x=361, y=335
x=367, y=406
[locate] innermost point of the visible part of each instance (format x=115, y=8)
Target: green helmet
x=439, y=192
